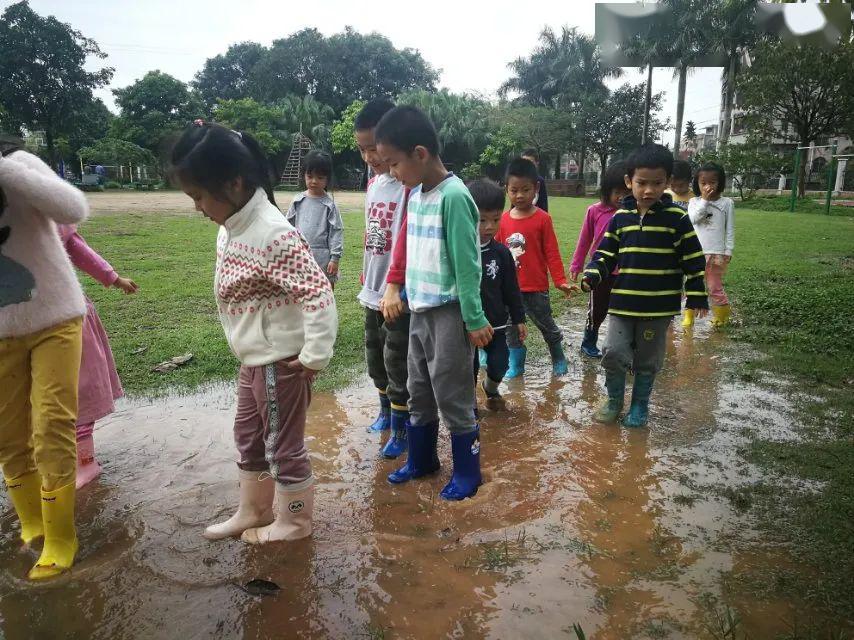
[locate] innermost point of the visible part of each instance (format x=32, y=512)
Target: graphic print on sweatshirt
x=492, y=268
x=516, y=244
x=378, y=231
x=17, y=284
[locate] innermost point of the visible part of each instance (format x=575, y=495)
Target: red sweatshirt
x=533, y=243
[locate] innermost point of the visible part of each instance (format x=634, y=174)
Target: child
x=613, y=189
x=278, y=312
x=680, y=184
x=527, y=230
x=41, y=315
x=541, y=199
x=316, y=216
x=654, y=245
x=99, y=383
x=713, y=216
x=386, y=343
x=499, y=288
x=442, y=285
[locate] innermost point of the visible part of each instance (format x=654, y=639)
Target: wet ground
x=616, y=530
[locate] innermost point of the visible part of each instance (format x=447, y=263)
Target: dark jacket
x=499, y=288
x=542, y=195
x=654, y=254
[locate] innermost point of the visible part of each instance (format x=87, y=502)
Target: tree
x=42, y=72
x=690, y=131
x=341, y=135
x=227, y=76
x=154, y=109
x=263, y=122
x=810, y=88
x=91, y=124
x=111, y=151
x=749, y=165
x=613, y=130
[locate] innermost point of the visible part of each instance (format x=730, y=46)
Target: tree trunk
x=51, y=146
x=726, y=125
x=680, y=109
x=557, y=165
x=646, y=105
x=581, y=161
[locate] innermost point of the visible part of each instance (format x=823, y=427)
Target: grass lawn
x=792, y=284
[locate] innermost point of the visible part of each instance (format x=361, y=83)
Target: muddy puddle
x=614, y=530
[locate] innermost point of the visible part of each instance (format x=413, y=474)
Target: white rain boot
x=255, y=508
x=295, y=506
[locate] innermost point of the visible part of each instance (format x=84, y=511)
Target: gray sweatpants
x=638, y=343
x=439, y=365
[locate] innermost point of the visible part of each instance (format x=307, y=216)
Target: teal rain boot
x=638, y=414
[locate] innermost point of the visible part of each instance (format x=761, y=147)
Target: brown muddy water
x=612, y=529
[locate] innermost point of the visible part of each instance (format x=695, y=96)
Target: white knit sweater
x=274, y=301
x=714, y=222
x=38, y=287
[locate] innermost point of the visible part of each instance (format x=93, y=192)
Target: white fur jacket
x=38, y=286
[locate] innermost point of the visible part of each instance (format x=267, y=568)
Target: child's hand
x=586, y=287
x=701, y=313
x=126, y=284
x=573, y=275
x=481, y=337
x=523, y=331
x=298, y=367
x=568, y=289
x=391, y=305
x=332, y=269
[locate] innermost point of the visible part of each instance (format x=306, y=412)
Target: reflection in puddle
x=577, y=523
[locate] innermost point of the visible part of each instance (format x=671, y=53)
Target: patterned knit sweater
x=274, y=301
x=38, y=288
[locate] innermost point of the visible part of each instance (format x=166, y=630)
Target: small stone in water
x=258, y=587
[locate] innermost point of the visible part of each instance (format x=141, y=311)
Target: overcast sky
x=470, y=42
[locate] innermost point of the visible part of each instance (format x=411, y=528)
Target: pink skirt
x=99, y=381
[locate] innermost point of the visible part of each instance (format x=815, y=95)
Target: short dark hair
x=487, y=195
x=405, y=128
x=372, y=113
x=613, y=178
x=650, y=156
x=210, y=156
x=681, y=170
x=709, y=166
x=531, y=153
x=522, y=168
x=318, y=163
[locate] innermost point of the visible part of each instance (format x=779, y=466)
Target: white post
x=840, y=176
x=781, y=184
x=121, y=173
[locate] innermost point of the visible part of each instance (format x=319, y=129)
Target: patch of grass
x=810, y=204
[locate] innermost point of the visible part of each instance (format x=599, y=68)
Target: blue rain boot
x=422, y=459
x=383, y=421
x=481, y=358
x=615, y=384
x=517, y=362
x=638, y=414
x=397, y=442
x=559, y=363
x=465, y=480
x=588, y=345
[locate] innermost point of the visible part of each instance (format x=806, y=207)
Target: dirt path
x=618, y=530
x=176, y=202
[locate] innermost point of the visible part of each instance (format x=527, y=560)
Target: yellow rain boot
x=721, y=315
x=25, y=494
x=688, y=319
x=60, y=537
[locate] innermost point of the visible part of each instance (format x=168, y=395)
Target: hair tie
x=238, y=134
x=198, y=122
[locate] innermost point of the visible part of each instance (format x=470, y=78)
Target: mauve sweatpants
x=269, y=428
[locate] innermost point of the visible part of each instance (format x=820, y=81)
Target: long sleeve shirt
x=319, y=221
x=85, y=257
x=714, y=221
x=274, y=301
x=593, y=229
x=443, y=252
x=533, y=243
x=654, y=253
x=499, y=287
x=38, y=287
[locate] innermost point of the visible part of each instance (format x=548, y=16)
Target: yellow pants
x=38, y=404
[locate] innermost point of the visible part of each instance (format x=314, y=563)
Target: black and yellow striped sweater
x=654, y=253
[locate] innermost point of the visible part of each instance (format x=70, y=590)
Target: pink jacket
x=85, y=257
x=592, y=231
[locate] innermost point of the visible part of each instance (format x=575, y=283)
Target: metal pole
x=795, y=180
x=829, y=180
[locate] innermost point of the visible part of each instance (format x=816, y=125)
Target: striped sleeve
x=605, y=257
x=693, y=264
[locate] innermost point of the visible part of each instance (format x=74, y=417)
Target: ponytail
x=210, y=156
